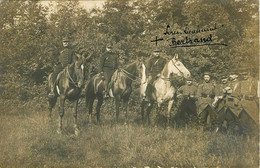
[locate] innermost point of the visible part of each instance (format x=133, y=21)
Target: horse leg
x=75, y=117
x=168, y=115
x=142, y=111
x=90, y=110
x=117, y=108
x=99, y=104
x=150, y=106
x=52, y=103
x=61, y=112
x=126, y=110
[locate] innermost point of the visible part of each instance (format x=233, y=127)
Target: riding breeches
x=56, y=71
x=107, y=75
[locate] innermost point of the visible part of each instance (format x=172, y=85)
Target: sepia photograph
x=129, y=83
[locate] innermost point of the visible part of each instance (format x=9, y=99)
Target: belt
x=205, y=96
x=230, y=98
x=246, y=97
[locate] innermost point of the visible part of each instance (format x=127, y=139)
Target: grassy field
x=29, y=139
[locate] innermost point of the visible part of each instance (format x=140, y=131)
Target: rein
x=67, y=70
x=128, y=74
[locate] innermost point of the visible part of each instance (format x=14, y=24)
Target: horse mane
x=130, y=66
x=165, y=70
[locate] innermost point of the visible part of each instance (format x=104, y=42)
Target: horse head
x=79, y=71
x=176, y=67
x=133, y=69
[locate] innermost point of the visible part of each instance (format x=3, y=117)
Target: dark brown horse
x=120, y=89
x=68, y=86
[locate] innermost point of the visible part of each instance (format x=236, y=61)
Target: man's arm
x=149, y=66
x=101, y=63
x=199, y=90
x=116, y=62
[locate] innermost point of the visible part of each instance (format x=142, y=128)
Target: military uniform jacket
x=236, y=88
x=229, y=99
x=205, y=95
x=108, y=62
x=155, y=66
x=187, y=90
x=66, y=57
x=249, y=100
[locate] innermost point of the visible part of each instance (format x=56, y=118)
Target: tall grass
x=29, y=139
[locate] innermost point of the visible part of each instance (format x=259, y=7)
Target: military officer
x=235, y=84
x=249, y=117
x=227, y=106
x=108, y=65
x=66, y=57
x=186, y=95
x=205, y=95
x=154, y=66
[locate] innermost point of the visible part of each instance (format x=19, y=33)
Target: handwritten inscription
x=188, y=41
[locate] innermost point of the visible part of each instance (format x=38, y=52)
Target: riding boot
x=108, y=87
x=51, y=94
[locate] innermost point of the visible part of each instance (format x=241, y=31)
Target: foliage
x=30, y=36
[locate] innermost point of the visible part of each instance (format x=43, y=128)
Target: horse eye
x=178, y=64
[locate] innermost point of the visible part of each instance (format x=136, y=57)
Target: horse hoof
x=76, y=132
x=59, y=131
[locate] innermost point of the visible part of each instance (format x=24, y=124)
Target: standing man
x=249, y=117
x=205, y=95
x=67, y=56
x=108, y=65
x=186, y=95
x=226, y=105
x=154, y=67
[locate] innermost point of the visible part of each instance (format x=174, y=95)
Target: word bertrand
x=188, y=40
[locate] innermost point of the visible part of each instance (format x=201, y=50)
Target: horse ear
x=176, y=56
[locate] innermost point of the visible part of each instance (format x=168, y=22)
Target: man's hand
x=102, y=75
x=180, y=97
x=149, y=78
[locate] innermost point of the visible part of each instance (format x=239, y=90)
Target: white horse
x=163, y=90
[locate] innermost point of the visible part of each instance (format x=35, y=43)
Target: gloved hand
x=102, y=75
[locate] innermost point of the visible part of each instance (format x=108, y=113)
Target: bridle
x=71, y=80
x=129, y=75
x=174, y=64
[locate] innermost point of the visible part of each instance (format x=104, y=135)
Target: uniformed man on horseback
x=108, y=65
x=205, y=95
x=154, y=67
x=66, y=57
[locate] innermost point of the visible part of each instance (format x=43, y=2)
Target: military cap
x=223, y=77
x=109, y=45
x=243, y=71
x=64, y=39
x=234, y=71
x=189, y=79
x=156, y=50
x=207, y=73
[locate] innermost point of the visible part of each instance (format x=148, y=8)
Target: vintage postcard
x=129, y=83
